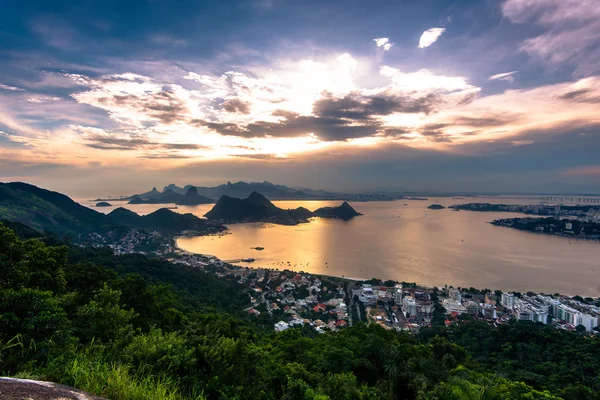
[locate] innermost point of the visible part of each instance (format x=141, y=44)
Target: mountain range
x=53, y=212
x=56, y=213
x=205, y=195
x=257, y=207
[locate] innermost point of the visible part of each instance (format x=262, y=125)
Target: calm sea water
x=403, y=240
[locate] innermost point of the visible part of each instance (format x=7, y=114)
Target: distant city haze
x=410, y=243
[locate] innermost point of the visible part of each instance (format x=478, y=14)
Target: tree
x=103, y=318
x=38, y=318
x=31, y=263
x=161, y=351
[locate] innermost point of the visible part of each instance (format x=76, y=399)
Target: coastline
x=343, y=277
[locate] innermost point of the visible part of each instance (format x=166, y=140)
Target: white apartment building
x=508, y=300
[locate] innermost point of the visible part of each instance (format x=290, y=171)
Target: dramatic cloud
x=430, y=36
x=505, y=76
x=289, y=109
x=572, y=31
x=384, y=43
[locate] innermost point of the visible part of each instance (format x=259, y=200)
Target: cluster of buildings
x=397, y=307
x=590, y=213
x=368, y=294
x=478, y=305
x=564, y=312
x=129, y=241
x=326, y=303
x=593, y=215
x=297, y=299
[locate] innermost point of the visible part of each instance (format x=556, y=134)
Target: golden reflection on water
x=415, y=244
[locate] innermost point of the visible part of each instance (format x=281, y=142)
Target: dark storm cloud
x=236, y=106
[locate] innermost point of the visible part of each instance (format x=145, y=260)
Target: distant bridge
x=571, y=199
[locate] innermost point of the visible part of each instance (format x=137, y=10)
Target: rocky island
x=257, y=208
x=345, y=212
x=436, y=207
x=103, y=204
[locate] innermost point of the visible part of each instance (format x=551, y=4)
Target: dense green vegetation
x=129, y=327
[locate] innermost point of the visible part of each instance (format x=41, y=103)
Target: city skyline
x=442, y=96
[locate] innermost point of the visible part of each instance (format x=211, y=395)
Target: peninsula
x=581, y=211
x=553, y=226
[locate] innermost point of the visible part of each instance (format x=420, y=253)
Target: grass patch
x=95, y=374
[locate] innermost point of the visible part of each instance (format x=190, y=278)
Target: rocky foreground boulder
x=20, y=389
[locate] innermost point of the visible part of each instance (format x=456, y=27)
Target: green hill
x=123, y=216
x=47, y=211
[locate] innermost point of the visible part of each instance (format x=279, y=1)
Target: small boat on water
x=248, y=259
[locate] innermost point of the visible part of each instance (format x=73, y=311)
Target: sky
x=114, y=97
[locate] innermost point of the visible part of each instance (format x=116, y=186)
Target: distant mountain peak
x=193, y=198
x=256, y=195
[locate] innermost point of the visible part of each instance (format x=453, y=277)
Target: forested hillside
x=129, y=327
